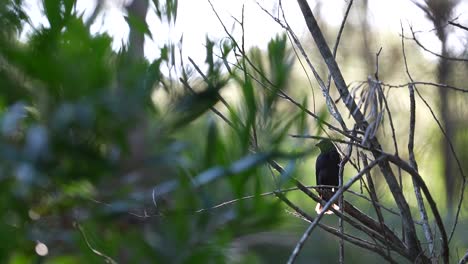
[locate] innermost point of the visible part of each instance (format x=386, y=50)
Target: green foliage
x=90, y=163
x=136, y=23
x=167, y=10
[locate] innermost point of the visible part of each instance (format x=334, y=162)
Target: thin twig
x=338, y=38
x=106, y=258
x=329, y=101
x=334, y=140
x=458, y=25
x=389, y=113
x=463, y=185
x=368, y=226
x=341, y=203
x=281, y=93
x=425, y=83
x=373, y=196
x=330, y=202
x=225, y=203
x=351, y=239
x=291, y=40
x=260, y=195
x=412, y=158
x=380, y=205
x=432, y=52
x=438, y=219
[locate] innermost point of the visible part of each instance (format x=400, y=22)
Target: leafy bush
x=93, y=168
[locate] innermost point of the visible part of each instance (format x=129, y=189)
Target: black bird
x=327, y=169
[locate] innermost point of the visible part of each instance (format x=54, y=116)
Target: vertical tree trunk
x=448, y=125
x=439, y=12
x=136, y=39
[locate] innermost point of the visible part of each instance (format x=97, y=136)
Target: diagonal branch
x=349, y=238
x=330, y=61
x=432, y=52
x=338, y=37
x=413, y=163
x=373, y=195
x=324, y=88
x=415, y=175
x=370, y=226
x=411, y=236
x=440, y=85
x=464, y=179
x=458, y=25
x=352, y=211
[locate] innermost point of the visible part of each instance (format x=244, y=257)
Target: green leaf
x=53, y=13
x=137, y=23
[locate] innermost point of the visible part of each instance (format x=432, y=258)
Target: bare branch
x=281, y=93
x=369, y=226
x=413, y=163
x=424, y=83
x=414, y=246
x=292, y=40
x=341, y=200
x=460, y=168
x=432, y=52
x=334, y=140
x=458, y=25
x=389, y=113
x=373, y=196
x=338, y=37
x=225, y=203
x=352, y=239
x=415, y=175
x=330, y=61
x=329, y=101
x=328, y=205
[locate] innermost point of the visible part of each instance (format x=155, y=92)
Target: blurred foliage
x=74, y=177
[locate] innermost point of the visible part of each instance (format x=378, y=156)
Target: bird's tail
x=319, y=209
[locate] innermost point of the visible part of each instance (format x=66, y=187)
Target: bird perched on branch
x=327, y=169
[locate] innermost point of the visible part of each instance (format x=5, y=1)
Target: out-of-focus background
x=110, y=148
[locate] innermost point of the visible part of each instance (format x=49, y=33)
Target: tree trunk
x=138, y=9
x=448, y=125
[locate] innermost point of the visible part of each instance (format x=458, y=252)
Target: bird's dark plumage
x=327, y=168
